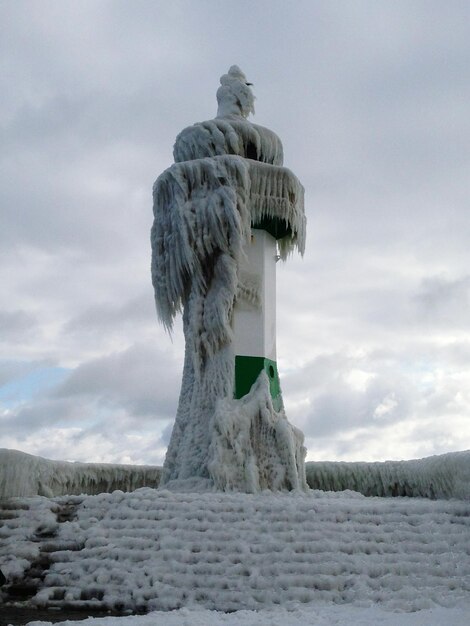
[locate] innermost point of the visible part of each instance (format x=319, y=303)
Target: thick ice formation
x=22, y=522
x=239, y=455
x=23, y=474
x=155, y=549
x=297, y=615
x=437, y=477
x=234, y=95
x=227, y=176
x=442, y=476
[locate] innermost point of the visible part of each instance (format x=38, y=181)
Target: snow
x=320, y=616
x=161, y=550
x=292, y=557
x=23, y=474
x=17, y=549
x=227, y=176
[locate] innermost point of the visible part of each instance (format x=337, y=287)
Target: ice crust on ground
x=24, y=474
x=17, y=545
x=227, y=176
x=323, y=615
x=161, y=550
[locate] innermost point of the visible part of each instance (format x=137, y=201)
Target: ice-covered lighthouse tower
x=225, y=212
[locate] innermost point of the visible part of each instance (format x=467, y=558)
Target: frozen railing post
x=224, y=212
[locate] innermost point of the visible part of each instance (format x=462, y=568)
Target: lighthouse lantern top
x=230, y=132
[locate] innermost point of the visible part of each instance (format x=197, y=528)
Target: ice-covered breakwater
x=24, y=474
x=437, y=477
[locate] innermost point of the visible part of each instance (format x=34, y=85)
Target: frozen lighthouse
x=225, y=212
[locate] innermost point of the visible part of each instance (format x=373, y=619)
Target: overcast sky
x=371, y=100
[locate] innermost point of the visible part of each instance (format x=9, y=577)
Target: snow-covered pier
x=152, y=549
x=160, y=550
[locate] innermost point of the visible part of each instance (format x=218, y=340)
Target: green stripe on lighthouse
x=247, y=370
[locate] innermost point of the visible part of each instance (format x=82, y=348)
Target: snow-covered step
x=162, y=550
x=29, y=530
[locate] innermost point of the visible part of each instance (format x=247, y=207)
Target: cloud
x=111, y=408
x=445, y=302
x=141, y=380
x=340, y=393
x=17, y=324
x=371, y=103
x=404, y=402
x=106, y=316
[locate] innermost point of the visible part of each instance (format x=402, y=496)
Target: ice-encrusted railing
x=437, y=477
x=24, y=475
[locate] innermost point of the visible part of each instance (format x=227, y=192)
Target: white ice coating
x=234, y=95
x=442, y=477
x=239, y=454
x=204, y=209
x=160, y=550
x=227, y=176
x=23, y=475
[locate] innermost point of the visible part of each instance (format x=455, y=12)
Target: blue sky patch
x=28, y=386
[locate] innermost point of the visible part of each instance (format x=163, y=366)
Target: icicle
x=254, y=447
x=227, y=176
x=205, y=204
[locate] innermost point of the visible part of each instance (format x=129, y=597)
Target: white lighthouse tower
x=225, y=212
x=254, y=316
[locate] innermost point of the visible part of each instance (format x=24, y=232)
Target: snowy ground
x=322, y=615
x=316, y=558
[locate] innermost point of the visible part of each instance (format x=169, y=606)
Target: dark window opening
x=251, y=152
